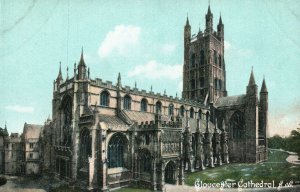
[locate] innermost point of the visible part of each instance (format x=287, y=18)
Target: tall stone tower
x=204, y=76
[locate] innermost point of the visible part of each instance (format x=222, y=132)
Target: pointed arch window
x=127, y=102
x=145, y=161
x=117, y=147
x=171, y=110
x=192, y=62
x=202, y=57
x=144, y=105
x=237, y=125
x=104, y=98
x=200, y=114
x=220, y=61
x=85, y=147
x=158, y=107
x=191, y=112
x=182, y=110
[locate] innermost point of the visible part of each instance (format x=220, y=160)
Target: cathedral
x=106, y=135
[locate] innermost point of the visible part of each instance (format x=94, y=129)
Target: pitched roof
x=32, y=131
x=139, y=116
x=113, y=122
x=231, y=101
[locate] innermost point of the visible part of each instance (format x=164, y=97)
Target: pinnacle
x=251, y=80
x=264, y=87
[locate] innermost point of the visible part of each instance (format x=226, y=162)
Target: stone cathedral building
x=105, y=135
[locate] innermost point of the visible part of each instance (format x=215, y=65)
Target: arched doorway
x=170, y=173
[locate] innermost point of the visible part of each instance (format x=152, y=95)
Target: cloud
x=169, y=48
x=285, y=120
x=155, y=70
x=121, y=40
x=227, y=45
x=20, y=109
x=238, y=51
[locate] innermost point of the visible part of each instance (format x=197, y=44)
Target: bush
x=3, y=181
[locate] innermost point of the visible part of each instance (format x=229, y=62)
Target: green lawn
x=276, y=168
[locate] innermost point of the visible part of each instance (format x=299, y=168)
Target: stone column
x=224, y=147
x=200, y=151
x=163, y=176
x=93, y=160
x=154, y=175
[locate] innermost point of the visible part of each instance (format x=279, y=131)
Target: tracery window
x=171, y=109
x=192, y=62
x=201, y=57
x=67, y=114
x=237, y=125
x=145, y=161
x=104, y=98
x=144, y=104
x=127, y=102
x=215, y=57
x=116, y=151
x=85, y=147
x=158, y=107
x=220, y=61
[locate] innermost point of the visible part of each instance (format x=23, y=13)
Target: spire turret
x=263, y=87
x=81, y=67
x=209, y=21
x=119, y=84
x=59, y=76
x=251, y=80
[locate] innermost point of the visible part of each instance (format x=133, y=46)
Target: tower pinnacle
x=264, y=87
x=251, y=80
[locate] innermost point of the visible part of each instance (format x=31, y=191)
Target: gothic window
x=207, y=116
x=220, y=84
x=201, y=57
x=201, y=81
x=182, y=110
x=171, y=109
x=237, y=125
x=85, y=147
x=104, y=98
x=193, y=86
x=192, y=62
x=127, y=102
x=158, y=107
x=147, y=138
x=191, y=112
x=144, y=104
x=199, y=114
x=145, y=161
x=220, y=61
x=215, y=57
x=116, y=151
x=67, y=114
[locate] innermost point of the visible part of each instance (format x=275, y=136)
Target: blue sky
x=144, y=41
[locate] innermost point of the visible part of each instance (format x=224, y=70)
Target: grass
x=276, y=168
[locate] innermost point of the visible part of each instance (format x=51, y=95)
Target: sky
x=143, y=40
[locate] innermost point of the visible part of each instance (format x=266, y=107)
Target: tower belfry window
x=201, y=57
x=192, y=62
x=215, y=57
